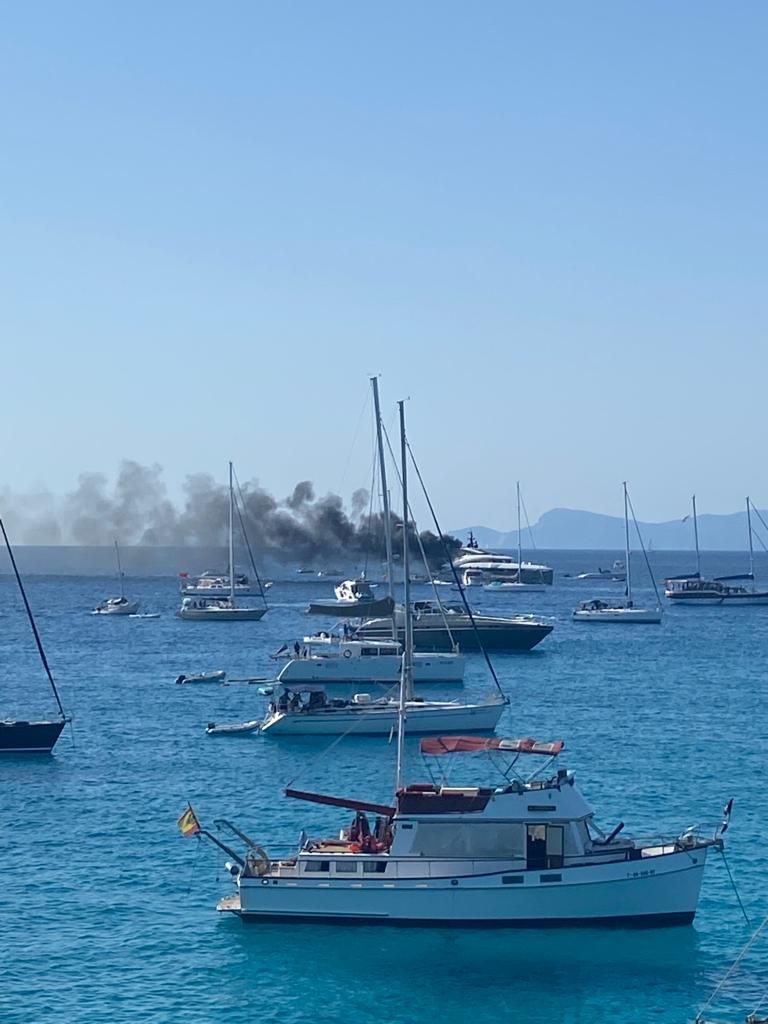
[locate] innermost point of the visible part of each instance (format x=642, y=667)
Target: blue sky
x=545, y=224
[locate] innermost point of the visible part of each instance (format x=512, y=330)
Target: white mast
x=384, y=499
x=119, y=568
x=519, y=540
x=751, y=550
x=407, y=666
x=231, y=541
x=696, y=535
x=626, y=548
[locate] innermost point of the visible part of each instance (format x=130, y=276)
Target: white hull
x=384, y=669
x=731, y=601
x=221, y=614
x=373, y=720
x=649, y=891
x=129, y=608
x=223, y=591
x=646, y=616
x=516, y=587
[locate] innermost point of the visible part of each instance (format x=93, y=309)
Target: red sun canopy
x=472, y=744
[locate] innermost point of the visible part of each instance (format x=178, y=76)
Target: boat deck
x=229, y=904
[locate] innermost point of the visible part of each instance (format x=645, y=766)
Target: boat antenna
x=384, y=496
x=628, y=572
x=751, y=550
x=119, y=568
x=407, y=662
x=245, y=537
x=33, y=624
x=696, y=535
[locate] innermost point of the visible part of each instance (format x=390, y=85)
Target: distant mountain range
x=569, y=528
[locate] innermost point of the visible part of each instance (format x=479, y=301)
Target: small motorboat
x=203, y=677
x=233, y=729
x=144, y=615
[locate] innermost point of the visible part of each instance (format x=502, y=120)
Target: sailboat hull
x=449, y=895
x=638, y=616
x=213, y=614
x=19, y=737
x=370, y=720
x=512, y=636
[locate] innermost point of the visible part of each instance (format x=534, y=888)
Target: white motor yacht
x=329, y=658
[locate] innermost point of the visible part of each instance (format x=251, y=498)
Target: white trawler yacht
x=197, y=609
x=524, y=852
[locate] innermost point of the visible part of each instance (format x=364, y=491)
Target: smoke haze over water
x=135, y=509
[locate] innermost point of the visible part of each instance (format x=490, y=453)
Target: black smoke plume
x=136, y=510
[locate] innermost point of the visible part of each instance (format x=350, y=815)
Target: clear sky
x=544, y=223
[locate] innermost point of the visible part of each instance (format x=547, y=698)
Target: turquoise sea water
x=108, y=914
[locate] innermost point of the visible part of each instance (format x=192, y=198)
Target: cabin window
x=374, y=867
x=512, y=879
x=488, y=839
x=555, y=840
x=550, y=878
x=317, y=865
x=346, y=867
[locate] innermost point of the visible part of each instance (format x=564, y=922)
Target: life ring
x=347, y=654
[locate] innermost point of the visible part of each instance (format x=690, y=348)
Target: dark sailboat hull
x=18, y=737
x=514, y=636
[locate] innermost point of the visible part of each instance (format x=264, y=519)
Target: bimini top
x=471, y=744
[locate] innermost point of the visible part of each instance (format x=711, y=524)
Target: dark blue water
x=107, y=913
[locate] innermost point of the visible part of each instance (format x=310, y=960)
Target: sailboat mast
x=384, y=499
x=519, y=540
x=751, y=549
x=696, y=535
x=407, y=666
x=32, y=622
x=626, y=548
x=231, y=540
x=119, y=568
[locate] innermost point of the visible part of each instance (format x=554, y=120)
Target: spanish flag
x=188, y=823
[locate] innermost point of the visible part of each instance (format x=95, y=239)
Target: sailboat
x=525, y=852
x=222, y=609
x=695, y=590
x=117, y=605
x=518, y=584
x=597, y=610
x=306, y=710
x=18, y=736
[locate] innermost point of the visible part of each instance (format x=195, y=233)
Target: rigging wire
x=464, y=601
x=245, y=538
x=754, y=532
x=745, y=949
x=33, y=624
x=353, y=443
x=421, y=548
x=642, y=548
x=531, y=538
